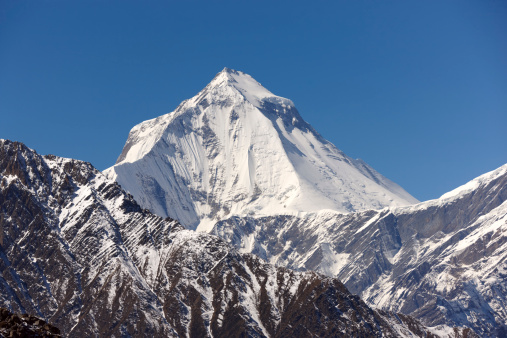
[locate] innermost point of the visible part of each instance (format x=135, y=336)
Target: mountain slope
x=78, y=251
x=237, y=149
x=441, y=261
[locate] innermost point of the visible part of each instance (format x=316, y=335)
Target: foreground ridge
x=80, y=253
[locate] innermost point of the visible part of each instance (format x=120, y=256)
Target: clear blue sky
x=418, y=89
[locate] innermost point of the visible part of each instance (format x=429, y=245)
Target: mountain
x=79, y=252
x=239, y=162
x=440, y=261
x=237, y=149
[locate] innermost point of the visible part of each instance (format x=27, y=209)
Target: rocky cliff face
x=79, y=252
x=237, y=149
x=441, y=261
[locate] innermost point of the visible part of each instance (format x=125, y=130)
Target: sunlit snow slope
x=237, y=149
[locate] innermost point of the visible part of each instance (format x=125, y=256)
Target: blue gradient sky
x=417, y=89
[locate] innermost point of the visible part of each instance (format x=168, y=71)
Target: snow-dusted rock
x=78, y=251
x=441, y=261
x=237, y=149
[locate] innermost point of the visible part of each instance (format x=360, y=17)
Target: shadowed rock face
x=441, y=261
x=79, y=252
x=26, y=326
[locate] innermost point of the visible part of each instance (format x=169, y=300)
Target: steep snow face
x=441, y=261
x=237, y=149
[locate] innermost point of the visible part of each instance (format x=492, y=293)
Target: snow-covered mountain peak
x=231, y=87
x=237, y=149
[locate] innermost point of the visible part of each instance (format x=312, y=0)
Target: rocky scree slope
x=79, y=252
x=237, y=149
x=441, y=261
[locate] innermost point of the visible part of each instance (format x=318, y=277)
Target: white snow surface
x=237, y=149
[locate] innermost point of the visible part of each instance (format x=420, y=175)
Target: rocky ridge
x=79, y=252
x=441, y=261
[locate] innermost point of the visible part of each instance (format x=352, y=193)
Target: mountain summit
x=237, y=149
x=252, y=90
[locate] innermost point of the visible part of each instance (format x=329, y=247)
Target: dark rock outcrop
x=25, y=326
